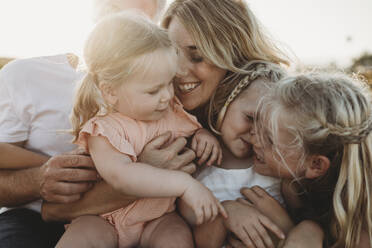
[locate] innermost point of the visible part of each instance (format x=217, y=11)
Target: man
x=35, y=101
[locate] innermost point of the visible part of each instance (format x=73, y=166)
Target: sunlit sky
x=317, y=31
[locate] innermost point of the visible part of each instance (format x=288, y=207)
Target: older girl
x=316, y=128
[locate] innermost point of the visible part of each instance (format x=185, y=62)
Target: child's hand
x=249, y=225
x=268, y=206
x=202, y=201
x=206, y=146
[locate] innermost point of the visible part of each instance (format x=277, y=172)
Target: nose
x=253, y=137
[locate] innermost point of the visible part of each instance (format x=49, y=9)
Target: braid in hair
x=254, y=70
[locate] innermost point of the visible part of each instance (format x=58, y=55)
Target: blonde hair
x=228, y=35
x=332, y=116
x=119, y=47
x=254, y=70
x=103, y=8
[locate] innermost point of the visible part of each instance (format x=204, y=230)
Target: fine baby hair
x=119, y=47
x=331, y=115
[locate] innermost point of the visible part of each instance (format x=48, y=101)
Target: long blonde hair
x=332, y=116
x=119, y=47
x=228, y=35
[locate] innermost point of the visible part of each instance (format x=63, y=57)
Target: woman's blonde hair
x=332, y=116
x=103, y=8
x=228, y=35
x=119, y=47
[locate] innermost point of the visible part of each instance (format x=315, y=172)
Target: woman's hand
x=174, y=156
x=202, y=201
x=249, y=225
x=206, y=147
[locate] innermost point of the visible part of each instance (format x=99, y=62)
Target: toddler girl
x=316, y=128
x=125, y=100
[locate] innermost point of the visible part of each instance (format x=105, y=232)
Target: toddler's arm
x=143, y=180
x=206, y=146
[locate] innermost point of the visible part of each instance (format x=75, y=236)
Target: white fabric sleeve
x=13, y=113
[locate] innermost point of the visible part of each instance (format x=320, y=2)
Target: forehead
x=158, y=66
x=286, y=125
x=178, y=33
x=254, y=92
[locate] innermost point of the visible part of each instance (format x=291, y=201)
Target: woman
x=214, y=48
x=35, y=101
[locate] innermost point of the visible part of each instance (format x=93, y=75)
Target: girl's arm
x=138, y=179
x=13, y=156
x=143, y=180
x=103, y=198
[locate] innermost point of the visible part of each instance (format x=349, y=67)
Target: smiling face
x=237, y=127
x=196, y=79
x=146, y=96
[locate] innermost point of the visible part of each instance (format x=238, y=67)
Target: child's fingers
x=222, y=210
x=213, y=157
x=194, y=144
x=259, y=191
x=271, y=226
x=200, y=149
x=233, y=243
x=264, y=236
x=255, y=238
x=219, y=161
x=244, y=201
x=206, y=153
x=214, y=212
x=244, y=237
x=199, y=214
x=250, y=194
x=207, y=213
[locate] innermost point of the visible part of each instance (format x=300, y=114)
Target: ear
x=109, y=94
x=318, y=166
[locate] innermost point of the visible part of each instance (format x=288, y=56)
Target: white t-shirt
x=35, y=103
x=226, y=183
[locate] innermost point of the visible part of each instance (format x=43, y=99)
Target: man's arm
x=13, y=156
x=61, y=178
x=101, y=199
x=18, y=187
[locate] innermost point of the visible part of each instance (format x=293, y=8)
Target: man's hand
x=64, y=178
x=174, y=156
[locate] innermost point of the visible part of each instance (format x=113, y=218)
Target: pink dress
x=129, y=137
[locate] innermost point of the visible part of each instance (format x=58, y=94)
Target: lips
x=187, y=87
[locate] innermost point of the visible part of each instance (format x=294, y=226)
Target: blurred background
x=317, y=33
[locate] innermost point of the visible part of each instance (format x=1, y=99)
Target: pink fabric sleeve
x=101, y=126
